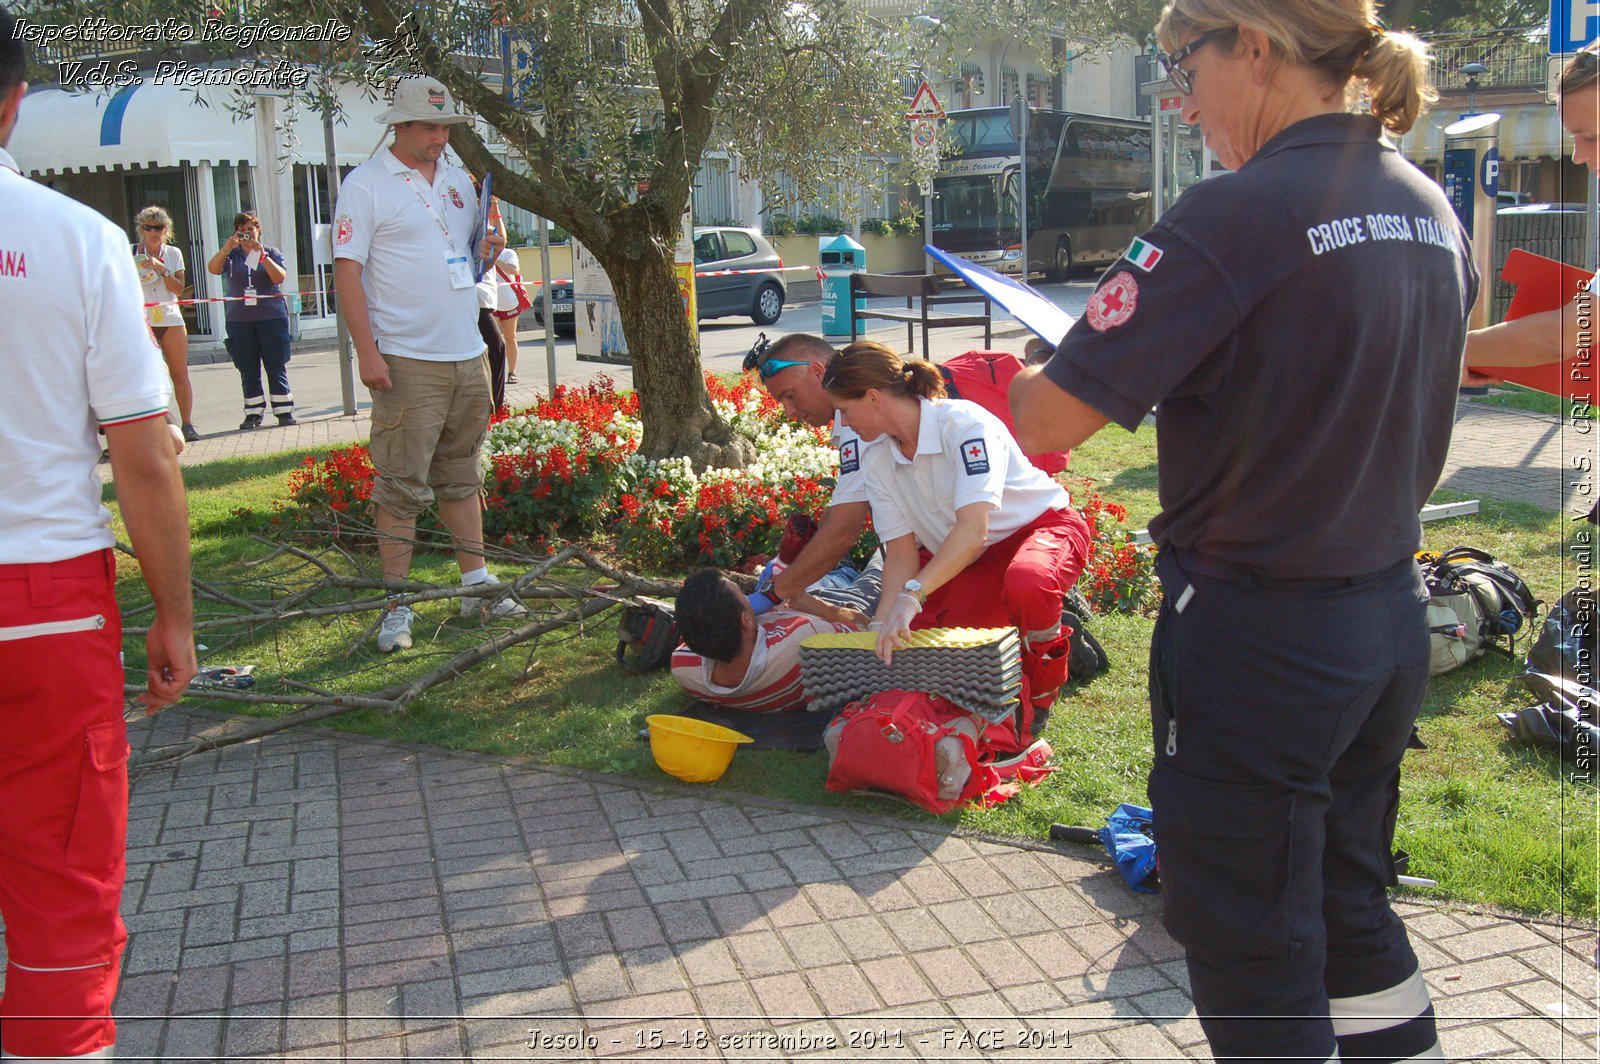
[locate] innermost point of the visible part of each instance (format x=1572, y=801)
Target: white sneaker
x=395, y=631
x=503, y=606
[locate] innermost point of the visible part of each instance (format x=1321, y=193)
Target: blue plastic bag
x=1128, y=839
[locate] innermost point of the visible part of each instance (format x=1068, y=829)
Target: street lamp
x=1473, y=71
x=1019, y=126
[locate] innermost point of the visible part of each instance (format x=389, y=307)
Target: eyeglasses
x=1182, y=78
x=152, y=228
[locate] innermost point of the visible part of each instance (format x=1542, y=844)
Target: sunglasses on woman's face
x=152, y=228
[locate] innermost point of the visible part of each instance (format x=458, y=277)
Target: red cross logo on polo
x=849, y=459
x=345, y=231
x=976, y=457
x=455, y=197
x=1113, y=303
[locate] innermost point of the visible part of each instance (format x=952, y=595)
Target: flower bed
x=569, y=468
x=1120, y=575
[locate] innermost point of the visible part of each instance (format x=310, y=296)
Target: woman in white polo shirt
x=161, y=276
x=975, y=536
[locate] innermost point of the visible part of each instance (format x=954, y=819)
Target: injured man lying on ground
x=734, y=658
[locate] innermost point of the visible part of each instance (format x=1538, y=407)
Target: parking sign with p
x=1574, y=24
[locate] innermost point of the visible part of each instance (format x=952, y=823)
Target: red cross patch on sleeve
x=1113, y=303
x=975, y=456
x=849, y=457
x=345, y=231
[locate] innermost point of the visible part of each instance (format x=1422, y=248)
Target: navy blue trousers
x=256, y=345
x=1280, y=711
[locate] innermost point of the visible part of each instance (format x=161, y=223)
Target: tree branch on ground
x=566, y=589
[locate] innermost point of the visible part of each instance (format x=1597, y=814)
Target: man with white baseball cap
x=403, y=267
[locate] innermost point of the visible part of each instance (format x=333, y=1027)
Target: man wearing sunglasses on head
x=791, y=370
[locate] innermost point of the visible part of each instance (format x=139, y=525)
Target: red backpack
x=890, y=743
x=984, y=377
x=928, y=751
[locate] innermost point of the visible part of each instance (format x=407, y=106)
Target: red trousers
x=63, y=804
x=1019, y=583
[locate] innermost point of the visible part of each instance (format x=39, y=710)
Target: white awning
x=1527, y=131
x=148, y=125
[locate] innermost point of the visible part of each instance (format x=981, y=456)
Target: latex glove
x=760, y=600
x=896, y=627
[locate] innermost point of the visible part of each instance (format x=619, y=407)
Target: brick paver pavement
x=321, y=896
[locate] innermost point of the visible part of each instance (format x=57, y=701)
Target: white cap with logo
x=419, y=98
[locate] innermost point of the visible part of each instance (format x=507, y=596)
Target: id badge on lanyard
x=457, y=264
x=250, y=297
x=460, y=271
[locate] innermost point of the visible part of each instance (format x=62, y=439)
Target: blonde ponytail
x=1395, y=70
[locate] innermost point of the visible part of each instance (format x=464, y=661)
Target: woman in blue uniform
x=1298, y=325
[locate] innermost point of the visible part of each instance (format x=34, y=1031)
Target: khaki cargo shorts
x=427, y=431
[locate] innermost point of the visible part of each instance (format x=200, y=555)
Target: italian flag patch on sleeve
x=1143, y=254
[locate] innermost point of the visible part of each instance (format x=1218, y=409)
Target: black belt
x=1197, y=564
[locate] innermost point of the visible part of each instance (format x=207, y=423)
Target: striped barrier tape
x=526, y=281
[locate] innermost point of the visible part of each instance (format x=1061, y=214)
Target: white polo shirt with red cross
x=382, y=223
x=964, y=455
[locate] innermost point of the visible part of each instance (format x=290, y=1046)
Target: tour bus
x=1089, y=188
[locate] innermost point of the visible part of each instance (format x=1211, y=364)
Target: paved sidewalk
x=314, y=896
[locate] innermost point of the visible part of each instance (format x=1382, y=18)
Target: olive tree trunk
x=665, y=349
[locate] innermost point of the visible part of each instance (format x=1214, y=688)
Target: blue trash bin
x=839, y=257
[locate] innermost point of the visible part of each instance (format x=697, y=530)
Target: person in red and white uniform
x=733, y=658
x=791, y=371
x=77, y=355
x=976, y=535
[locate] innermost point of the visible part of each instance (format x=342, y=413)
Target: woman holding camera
x=258, y=318
x=161, y=275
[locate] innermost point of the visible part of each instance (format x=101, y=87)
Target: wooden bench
x=921, y=291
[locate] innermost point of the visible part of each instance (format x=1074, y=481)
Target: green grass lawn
x=1493, y=822
x=1516, y=397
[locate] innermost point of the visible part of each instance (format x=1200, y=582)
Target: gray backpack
x=1474, y=602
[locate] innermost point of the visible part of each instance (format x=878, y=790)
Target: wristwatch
x=915, y=587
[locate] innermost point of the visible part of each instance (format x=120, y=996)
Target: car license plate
x=561, y=308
